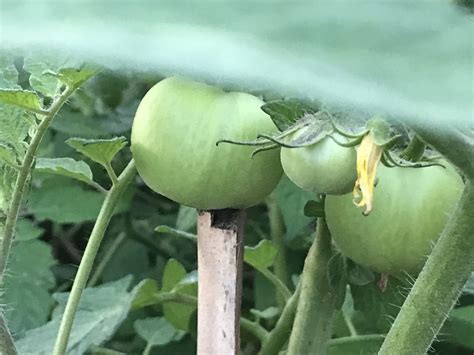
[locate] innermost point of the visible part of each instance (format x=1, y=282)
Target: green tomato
x=174, y=137
x=411, y=208
x=324, y=167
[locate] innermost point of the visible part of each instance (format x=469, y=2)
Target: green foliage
x=157, y=331
x=262, y=256
x=178, y=315
x=101, y=151
x=285, y=113
x=68, y=167
x=101, y=311
x=28, y=283
x=28, y=100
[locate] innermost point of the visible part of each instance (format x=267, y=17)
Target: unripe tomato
x=411, y=208
x=324, y=167
x=174, y=137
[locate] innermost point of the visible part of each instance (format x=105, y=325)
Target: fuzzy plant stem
x=316, y=306
x=90, y=253
x=7, y=347
x=277, y=232
x=24, y=174
x=281, y=332
x=448, y=267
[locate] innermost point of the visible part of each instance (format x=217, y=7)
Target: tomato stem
x=316, y=306
x=85, y=267
x=6, y=340
x=438, y=286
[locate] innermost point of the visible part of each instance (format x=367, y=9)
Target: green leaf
x=459, y=327
x=8, y=72
x=101, y=310
x=314, y=209
x=362, y=344
x=186, y=219
x=68, y=167
x=76, y=77
x=179, y=315
x=292, y=200
x=28, y=100
x=157, y=331
x=285, y=113
x=27, y=284
x=41, y=79
x=145, y=294
x=101, y=151
x=8, y=155
x=27, y=230
x=262, y=255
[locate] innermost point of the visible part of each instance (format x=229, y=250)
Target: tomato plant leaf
x=8, y=72
x=178, y=315
x=8, y=155
x=469, y=286
x=186, y=219
x=261, y=256
x=101, y=151
x=101, y=310
x=157, y=331
x=64, y=201
x=76, y=77
x=27, y=285
x=68, y=167
x=40, y=78
x=145, y=294
x=285, y=113
x=27, y=230
x=459, y=327
x=28, y=100
x=292, y=200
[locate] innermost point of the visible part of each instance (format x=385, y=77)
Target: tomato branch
x=90, y=253
x=316, y=306
x=6, y=340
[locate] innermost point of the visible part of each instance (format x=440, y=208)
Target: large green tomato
x=174, y=137
x=324, y=167
x=411, y=208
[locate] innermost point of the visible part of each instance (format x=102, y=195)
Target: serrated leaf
x=157, y=331
x=101, y=151
x=262, y=255
x=68, y=167
x=28, y=100
x=27, y=230
x=8, y=72
x=285, y=113
x=40, y=78
x=27, y=284
x=76, y=77
x=8, y=155
x=101, y=310
x=177, y=314
x=314, y=208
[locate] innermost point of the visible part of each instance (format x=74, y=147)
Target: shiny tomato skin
x=174, y=137
x=411, y=208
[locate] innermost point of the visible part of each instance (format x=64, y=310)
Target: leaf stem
x=316, y=307
x=283, y=291
x=277, y=232
x=90, y=253
x=352, y=339
x=279, y=335
x=438, y=286
x=106, y=258
x=111, y=173
x=23, y=176
x=6, y=340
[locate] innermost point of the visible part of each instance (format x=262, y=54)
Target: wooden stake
x=220, y=258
